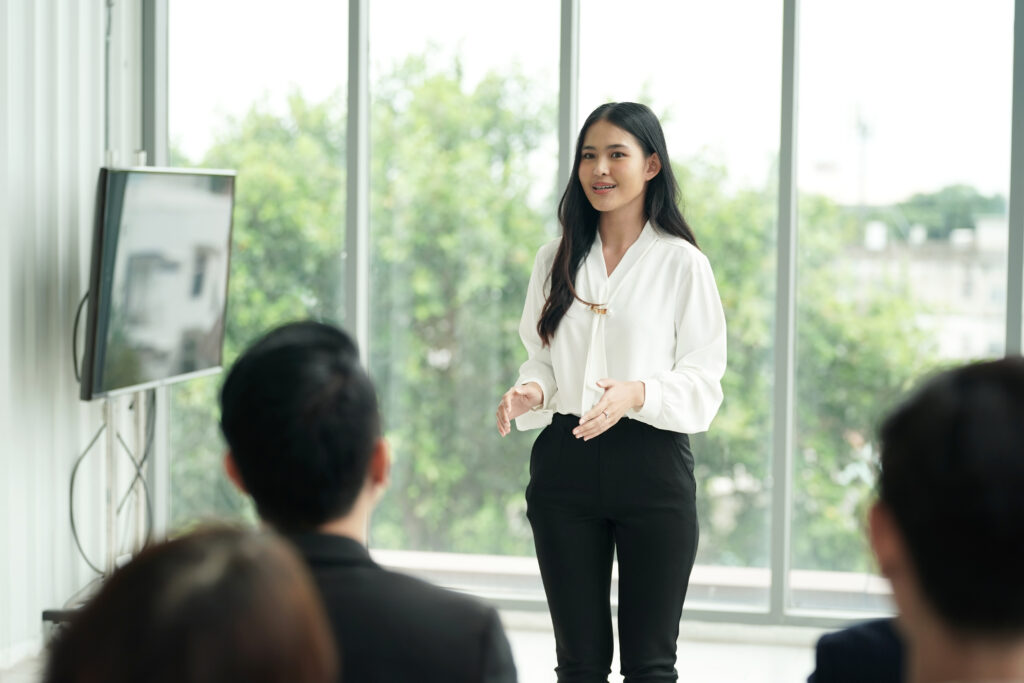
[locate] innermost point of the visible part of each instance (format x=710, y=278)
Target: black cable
x=83, y=589
x=150, y=432
x=71, y=501
x=131, y=487
x=139, y=476
x=74, y=335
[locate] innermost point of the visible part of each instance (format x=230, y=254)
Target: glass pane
x=903, y=178
x=276, y=114
x=714, y=82
x=464, y=156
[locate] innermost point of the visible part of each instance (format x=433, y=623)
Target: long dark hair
x=579, y=218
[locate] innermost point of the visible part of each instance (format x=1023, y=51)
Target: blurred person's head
x=301, y=421
x=217, y=605
x=948, y=529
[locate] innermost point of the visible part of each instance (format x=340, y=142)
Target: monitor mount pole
x=110, y=498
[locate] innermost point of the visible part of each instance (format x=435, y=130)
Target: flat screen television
x=159, y=278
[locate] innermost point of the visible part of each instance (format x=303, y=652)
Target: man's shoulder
x=404, y=587
x=394, y=596
x=352, y=583
x=391, y=626
x=871, y=650
x=877, y=633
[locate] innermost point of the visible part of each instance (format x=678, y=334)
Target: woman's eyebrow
x=617, y=144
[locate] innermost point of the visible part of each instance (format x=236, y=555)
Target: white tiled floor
x=708, y=653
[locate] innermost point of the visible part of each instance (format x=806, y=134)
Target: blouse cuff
x=651, y=408
x=546, y=400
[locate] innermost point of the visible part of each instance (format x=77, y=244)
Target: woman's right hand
x=517, y=401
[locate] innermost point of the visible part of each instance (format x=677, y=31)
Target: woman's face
x=614, y=170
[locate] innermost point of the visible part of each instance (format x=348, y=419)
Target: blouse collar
x=595, y=259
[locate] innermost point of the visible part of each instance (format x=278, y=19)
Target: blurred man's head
x=948, y=529
x=303, y=430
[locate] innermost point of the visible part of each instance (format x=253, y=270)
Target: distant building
x=959, y=284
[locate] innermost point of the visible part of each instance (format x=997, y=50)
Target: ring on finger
x=605, y=413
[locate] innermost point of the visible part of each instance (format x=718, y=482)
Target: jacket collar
x=331, y=549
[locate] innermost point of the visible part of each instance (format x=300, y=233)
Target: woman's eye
x=617, y=155
x=588, y=155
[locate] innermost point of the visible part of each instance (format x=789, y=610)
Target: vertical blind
x=52, y=109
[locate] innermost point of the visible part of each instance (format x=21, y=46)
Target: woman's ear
x=653, y=166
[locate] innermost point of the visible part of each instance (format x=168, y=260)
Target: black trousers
x=630, y=491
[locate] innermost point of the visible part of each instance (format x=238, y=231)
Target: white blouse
x=664, y=326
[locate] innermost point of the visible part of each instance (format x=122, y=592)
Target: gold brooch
x=600, y=310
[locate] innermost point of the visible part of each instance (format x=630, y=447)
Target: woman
x=625, y=337
x=221, y=604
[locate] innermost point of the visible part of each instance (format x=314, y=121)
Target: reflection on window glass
x=904, y=152
x=278, y=119
x=715, y=84
x=464, y=158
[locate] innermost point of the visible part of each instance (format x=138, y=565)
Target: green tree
x=458, y=210
x=286, y=264
x=857, y=351
x=940, y=212
x=455, y=225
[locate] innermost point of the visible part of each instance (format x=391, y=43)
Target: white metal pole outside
x=785, y=324
x=1015, y=243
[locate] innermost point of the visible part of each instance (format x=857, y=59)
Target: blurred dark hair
x=952, y=474
x=218, y=605
x=300, y=416
x=579, y=218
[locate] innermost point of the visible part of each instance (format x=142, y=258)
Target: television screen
x=159, y=278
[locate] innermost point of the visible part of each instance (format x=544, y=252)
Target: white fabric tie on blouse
x=597, y=354
x=663, y=325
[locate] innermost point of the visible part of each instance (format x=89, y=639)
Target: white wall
x=52, y=113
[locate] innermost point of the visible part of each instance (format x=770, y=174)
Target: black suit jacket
x=393, y=628
x=872, y=651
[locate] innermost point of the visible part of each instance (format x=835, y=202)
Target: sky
x=895, y=97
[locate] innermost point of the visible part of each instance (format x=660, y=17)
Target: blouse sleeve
x=537, y=367
x=687, y=397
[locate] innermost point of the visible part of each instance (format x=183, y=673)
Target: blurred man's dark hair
x=952, y=477
x=300, y=418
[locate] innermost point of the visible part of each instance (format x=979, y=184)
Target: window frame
x=153, y=111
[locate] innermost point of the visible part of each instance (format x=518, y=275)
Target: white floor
x=708, y=653
x=26, y=672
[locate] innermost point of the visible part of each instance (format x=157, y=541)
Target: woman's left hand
x=619, y=398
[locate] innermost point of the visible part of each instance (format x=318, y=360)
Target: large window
x=903, y=131
x=464, y=156
x=254, y=89
x=713, y=81
x=903, y=169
